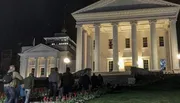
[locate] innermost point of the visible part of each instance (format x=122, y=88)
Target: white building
x=113, y=35
x=41, y=58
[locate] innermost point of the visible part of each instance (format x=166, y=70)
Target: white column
x=154, y=49
x=79, y=60
x=97, y=47
x=46, y=67
x=115, y=47
x=168, y=52
x=84, y=49
x=36, y=68
x=26, y=67
x=55, y=61
x=89, y=52
x=174, y=44
x=134, y=43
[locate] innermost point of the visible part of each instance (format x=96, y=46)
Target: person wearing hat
x=28, y=86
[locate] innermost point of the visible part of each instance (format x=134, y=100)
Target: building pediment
x=40, y=48
x=129, y=8
x=117, y=5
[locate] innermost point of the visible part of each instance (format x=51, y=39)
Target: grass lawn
x=140, y=97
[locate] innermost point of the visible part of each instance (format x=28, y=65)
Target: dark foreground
x=140, y=97
x=165, y=90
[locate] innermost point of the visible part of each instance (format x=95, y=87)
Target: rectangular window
x=42, y=71
x=110, y=44
x=146, y=64
x=93, y=66
x=161, y=41
x=127, y=42
x=145, y=42
x=94, y=44
x=110, y=66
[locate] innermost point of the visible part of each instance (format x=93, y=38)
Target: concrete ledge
x=113, y=73
x=176, y=71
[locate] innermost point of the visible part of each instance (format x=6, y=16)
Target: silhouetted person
x=68, y=82
x=60, y=86
x=80, y=82
x=94, y=81
x=86, y=82
x=100, y=79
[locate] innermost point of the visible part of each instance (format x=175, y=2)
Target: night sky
x=23, y=20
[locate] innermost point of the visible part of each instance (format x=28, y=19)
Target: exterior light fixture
x=178, y=56
x=67, y=60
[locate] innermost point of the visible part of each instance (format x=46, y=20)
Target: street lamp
x=67, y=61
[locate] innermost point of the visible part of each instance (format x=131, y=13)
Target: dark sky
x=23, y=20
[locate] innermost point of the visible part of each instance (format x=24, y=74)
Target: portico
x=119, y=38
x=59, y=51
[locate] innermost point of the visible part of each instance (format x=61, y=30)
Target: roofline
x=46, y=38
x=100, y=3
x=117, y=15
x=39, y=45
x=169, y=3
x=94, y=5
x=56, y=37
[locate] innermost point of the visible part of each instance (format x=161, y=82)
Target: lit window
x=127, y=42
x=146, y=64
x=110, y=66
x=110, y=44
x=65, y=39
x=42, y=71
x=161, y=41
x=53, y=44
x=94, y=44
x=145, y=42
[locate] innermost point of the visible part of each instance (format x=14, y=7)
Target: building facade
x=114, y=35
x=41, y=58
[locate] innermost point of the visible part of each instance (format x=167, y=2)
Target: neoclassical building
x=113, y=35
x=41, y=58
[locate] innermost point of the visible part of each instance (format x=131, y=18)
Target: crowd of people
x=15, y=86
x=61, y=85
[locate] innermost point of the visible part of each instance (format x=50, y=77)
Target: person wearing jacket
x=67, y=81
x=54, y=81
x=10, y=88
x=28, y=86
